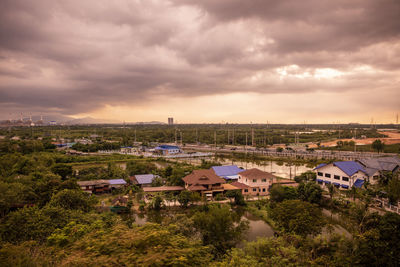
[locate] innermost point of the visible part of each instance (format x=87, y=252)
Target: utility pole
x=228, y=136
x=245, y=147
x=135, y=136
x=181, y=137
x=176, y=140
x=215, y=140
x=252, y=137
x=197, y=136
x=233, y=136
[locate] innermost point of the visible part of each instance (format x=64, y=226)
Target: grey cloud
x=77, y=56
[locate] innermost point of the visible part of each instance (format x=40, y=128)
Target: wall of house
x=335, y=171
x=258, y=187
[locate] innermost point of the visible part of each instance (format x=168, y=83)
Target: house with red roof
x=255, y=182
x=206, y=182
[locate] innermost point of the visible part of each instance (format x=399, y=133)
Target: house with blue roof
x=167, y=150
x=229, y=173
x=342, y=174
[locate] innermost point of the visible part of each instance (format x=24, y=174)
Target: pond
x=257, y=227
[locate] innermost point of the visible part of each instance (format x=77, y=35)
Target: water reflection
x=257, y=227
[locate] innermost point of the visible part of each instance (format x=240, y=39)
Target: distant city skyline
x=231, y=61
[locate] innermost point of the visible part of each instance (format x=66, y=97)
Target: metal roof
x=117, y=181
x=320, y=166
x=349, y=167
x=163, y=147
x=358, y=183
x=227, y=172
x=144, y=178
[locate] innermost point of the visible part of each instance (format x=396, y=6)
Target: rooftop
x=256, y=173
x=203, y=177
x=227, y=172
x=167, y=147
x=144, y=178
x=349, y=167
x=117, y=181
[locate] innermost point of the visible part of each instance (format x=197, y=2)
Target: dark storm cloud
x=77, y=56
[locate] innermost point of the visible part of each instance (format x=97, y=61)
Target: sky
x=318, y=61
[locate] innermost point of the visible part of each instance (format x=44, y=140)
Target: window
x=328, y=175
x=254, y=189
x=263, y=189
x=345, y=179
x=320, y=174
x=254, y=180
x=264, y=180
x=337, y=177
x=246, y=190
x=375, y=177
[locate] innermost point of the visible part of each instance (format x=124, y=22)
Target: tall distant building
x=170, y=121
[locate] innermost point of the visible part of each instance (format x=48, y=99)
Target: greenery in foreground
x=46, y=220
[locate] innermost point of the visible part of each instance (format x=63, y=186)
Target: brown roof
x=240, y=185
x=196, y=188
x=200, y=177
x=230, y=187
x=163, y=188
x=256, y=174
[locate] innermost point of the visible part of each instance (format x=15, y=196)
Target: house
x=95, y=186
x=254, y=182
x=167, y=150
x=376, y=167
x=206, y=182
x=101, y=186
x=116, y=183
x=342, y=174
x=143, y=180
x=229, y=173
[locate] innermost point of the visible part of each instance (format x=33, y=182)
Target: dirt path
x=393, y=138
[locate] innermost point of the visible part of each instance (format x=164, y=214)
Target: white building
x=342, y=174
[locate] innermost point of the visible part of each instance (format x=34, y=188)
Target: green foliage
x=208, y=164
x=237, y=196
x=219, y=227
x=156, y=202
x=280, y=193
x=32, y=223
x=12, y=195
x=137, y=167
x=63, y=170
x=378, y=145
x=310, y=192
x=149, y=245
x=393, y=189
x=185, y=197
x=306, y=177
x=265, y=252
x=381, y=235
x=299, y=217
x=73, y=200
